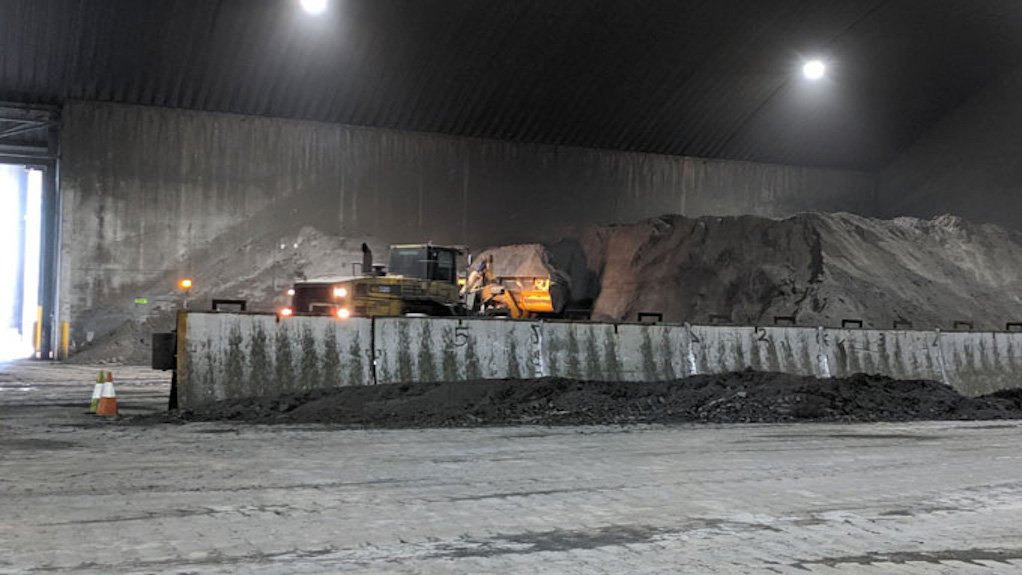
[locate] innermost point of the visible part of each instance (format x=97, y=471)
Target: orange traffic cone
x=108, y=399
x=97, y=392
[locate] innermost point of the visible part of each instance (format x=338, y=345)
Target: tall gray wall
x=969, y=165
x=145, y=190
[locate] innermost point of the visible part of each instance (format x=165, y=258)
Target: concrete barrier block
x=651, y=352
x=232, y=356
x=590, y=351
x=901, y=354
x=452, y=349
x=719, y=349
x=978, y=363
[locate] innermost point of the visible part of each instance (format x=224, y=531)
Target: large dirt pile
x=820, y=268
x=729, y=398
x=128, y=343
x=257, y=269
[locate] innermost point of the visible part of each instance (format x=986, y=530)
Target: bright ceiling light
x=314, y=7
x=814, y=69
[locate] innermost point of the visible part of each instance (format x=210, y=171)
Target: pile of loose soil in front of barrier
x=743, y=397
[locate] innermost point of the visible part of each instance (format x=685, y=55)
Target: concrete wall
x=147, y=190
x=232, y=356
x=969, y=165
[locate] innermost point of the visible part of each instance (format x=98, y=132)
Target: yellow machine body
x=518, y=298
x=422, y=279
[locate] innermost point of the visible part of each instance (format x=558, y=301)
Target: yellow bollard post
x=65, y=339
x=38, y=331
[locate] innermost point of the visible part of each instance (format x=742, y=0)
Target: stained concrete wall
x=149, y=192
x=969, y=164
x=233, y=356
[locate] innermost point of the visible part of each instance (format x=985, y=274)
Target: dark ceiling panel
x=711, y=78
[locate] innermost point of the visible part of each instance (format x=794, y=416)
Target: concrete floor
x=86, y=496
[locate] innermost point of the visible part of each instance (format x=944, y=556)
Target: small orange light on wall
x=185, y=284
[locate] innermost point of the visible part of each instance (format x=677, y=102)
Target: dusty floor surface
x=76, y=497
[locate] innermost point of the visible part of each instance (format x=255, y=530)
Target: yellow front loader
x=516, y=297
x=420, y=279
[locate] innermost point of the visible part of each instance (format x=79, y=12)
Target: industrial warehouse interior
x=561, y=286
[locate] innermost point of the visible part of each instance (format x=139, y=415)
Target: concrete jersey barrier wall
x=230, y=356
x=223, y=356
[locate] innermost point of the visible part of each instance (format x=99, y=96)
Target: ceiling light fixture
x=314, y=7
x=814, y=69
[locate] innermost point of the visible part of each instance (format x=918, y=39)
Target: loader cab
x=421, y=279
x=426, y=262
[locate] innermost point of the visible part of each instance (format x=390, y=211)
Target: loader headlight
x=340, y=292
x=343, y=313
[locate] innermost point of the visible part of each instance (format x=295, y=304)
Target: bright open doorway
x=20, y=249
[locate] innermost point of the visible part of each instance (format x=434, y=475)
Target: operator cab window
x=445, y=269
x=408, y=262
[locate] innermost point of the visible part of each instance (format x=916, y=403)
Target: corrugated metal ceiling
x=711, y=78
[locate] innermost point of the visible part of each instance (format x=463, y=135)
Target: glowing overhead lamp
x=185, y=284
x=814, y=70
x=314, y=7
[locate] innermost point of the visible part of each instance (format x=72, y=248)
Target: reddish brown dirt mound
x=820, y=268
x=731, y=398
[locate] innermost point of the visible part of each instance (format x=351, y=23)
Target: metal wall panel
x=151, y=192
x=967, y=165
x=716, y=78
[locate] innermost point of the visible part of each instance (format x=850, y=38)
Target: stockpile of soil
x=819, y=268
x=129, y=343
x=255, y=269
x=744, y=397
